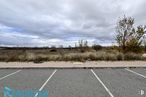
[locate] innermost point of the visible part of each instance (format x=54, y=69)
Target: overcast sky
x=64, y=22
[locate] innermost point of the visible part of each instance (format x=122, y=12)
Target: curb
x=69, y=67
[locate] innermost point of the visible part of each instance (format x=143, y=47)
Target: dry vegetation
x=66, y=54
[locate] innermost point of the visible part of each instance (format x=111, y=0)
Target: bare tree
x=83, y=45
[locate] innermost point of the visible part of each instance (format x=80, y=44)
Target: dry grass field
x=65, y=54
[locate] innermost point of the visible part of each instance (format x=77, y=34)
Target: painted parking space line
x=75, y=83
x=102, y=83
x=10, y=74
x=135, y=72
x=46, y=82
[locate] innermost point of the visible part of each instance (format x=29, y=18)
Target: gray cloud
x=49, y=22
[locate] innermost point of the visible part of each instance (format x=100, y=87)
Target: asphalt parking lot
x=103, y=82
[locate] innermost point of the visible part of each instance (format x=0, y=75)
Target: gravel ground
x=89, y=64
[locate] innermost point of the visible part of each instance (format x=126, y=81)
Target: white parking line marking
x=10, y=74
x=135, y=72
x=102, y=83
x=46, y=82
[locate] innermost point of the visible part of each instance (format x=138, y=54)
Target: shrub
x=53, y=50
x=97, y=47
x=132, y=56
x=120, y=56
x=73, y=57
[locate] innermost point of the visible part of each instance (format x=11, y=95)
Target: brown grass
x=66, y=55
